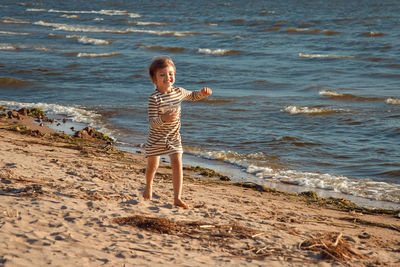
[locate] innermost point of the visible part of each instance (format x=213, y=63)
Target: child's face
x=164, y=78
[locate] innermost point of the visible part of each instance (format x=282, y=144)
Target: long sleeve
x=155, y=120
x=191, y=95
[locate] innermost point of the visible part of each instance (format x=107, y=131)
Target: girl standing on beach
x=164, y=110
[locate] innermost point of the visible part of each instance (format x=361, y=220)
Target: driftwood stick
x=337, y=240
x=256, y=235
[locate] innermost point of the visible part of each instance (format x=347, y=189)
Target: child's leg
x=152, y=165
x=177, y=179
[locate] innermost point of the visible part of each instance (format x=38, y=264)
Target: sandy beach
x=68, y=201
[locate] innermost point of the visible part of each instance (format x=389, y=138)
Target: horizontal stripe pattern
x=164, y=137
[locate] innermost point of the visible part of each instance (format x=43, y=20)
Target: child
x=165, y=121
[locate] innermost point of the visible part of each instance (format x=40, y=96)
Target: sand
x=68, y=203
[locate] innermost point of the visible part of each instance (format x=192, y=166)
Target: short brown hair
x=160, y=63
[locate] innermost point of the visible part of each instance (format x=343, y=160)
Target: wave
x=272, y=29
x=393, y=101
x=373, y=34
x=101, y=12
x=337, y=95
x=302, y=30
x=15, y=33
x=312, y=110
x=163, y=48
x=304, y=55
x=328, y=32
x=163, y=33
x=366, y=188
x=4, y=46
x=219, y=52
x=147, y=23
x=12, y=82
x=88, y=40
x=267, y=167
x=70, y=16
x=76, y=114
x=81, y=28
x=10, y=20
x=81, y=54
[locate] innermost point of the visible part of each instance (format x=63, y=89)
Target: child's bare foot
x=180, y=203
x=147, y=193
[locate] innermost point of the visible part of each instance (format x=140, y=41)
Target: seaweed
x=209, y=173
x=257, y=187
x=331, y=246
x=192, y=229
x=36, y=112
x=342, y=204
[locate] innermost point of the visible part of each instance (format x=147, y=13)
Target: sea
x=306, y=94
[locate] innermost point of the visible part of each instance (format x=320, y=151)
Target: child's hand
x=170, y=115
x=206, y=91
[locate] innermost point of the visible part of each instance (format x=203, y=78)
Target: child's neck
x=165, y=90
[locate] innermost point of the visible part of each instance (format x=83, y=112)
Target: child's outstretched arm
x=196, y=95
x=206, y=91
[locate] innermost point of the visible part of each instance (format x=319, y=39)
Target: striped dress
x=164, y=137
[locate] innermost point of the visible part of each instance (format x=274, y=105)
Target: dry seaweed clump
x=158, y=225
x=193, y=229
x=331, y=246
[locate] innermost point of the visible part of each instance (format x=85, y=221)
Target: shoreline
x=69, y=127
x=69, y=201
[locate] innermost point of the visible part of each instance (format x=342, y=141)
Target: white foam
x=98, y=55
x=70, y=16
x=41, y=48
x=75, y=113
x=304, y=55
x=88, y=40
x=81, y=28
x=15, y=33
x=5, y=46
x=147, y=23
x=101, y=12
x=208, y=51
x=10, y=20
x=330, y=93
x=311, y=110
x=36, y=10
x=259, y=165
x=393, y=101
x=162, y=33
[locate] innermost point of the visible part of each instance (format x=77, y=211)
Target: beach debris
x=369, y=223
x=37, y=113
x=23, y=112
x=210, y=173
x=331, y=246
x=91, y=133
x=364, y=235
x=193, y=229
x=30, y=190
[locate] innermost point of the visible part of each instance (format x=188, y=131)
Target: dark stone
x=23, y=112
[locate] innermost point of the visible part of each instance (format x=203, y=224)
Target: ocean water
x=305, y=93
